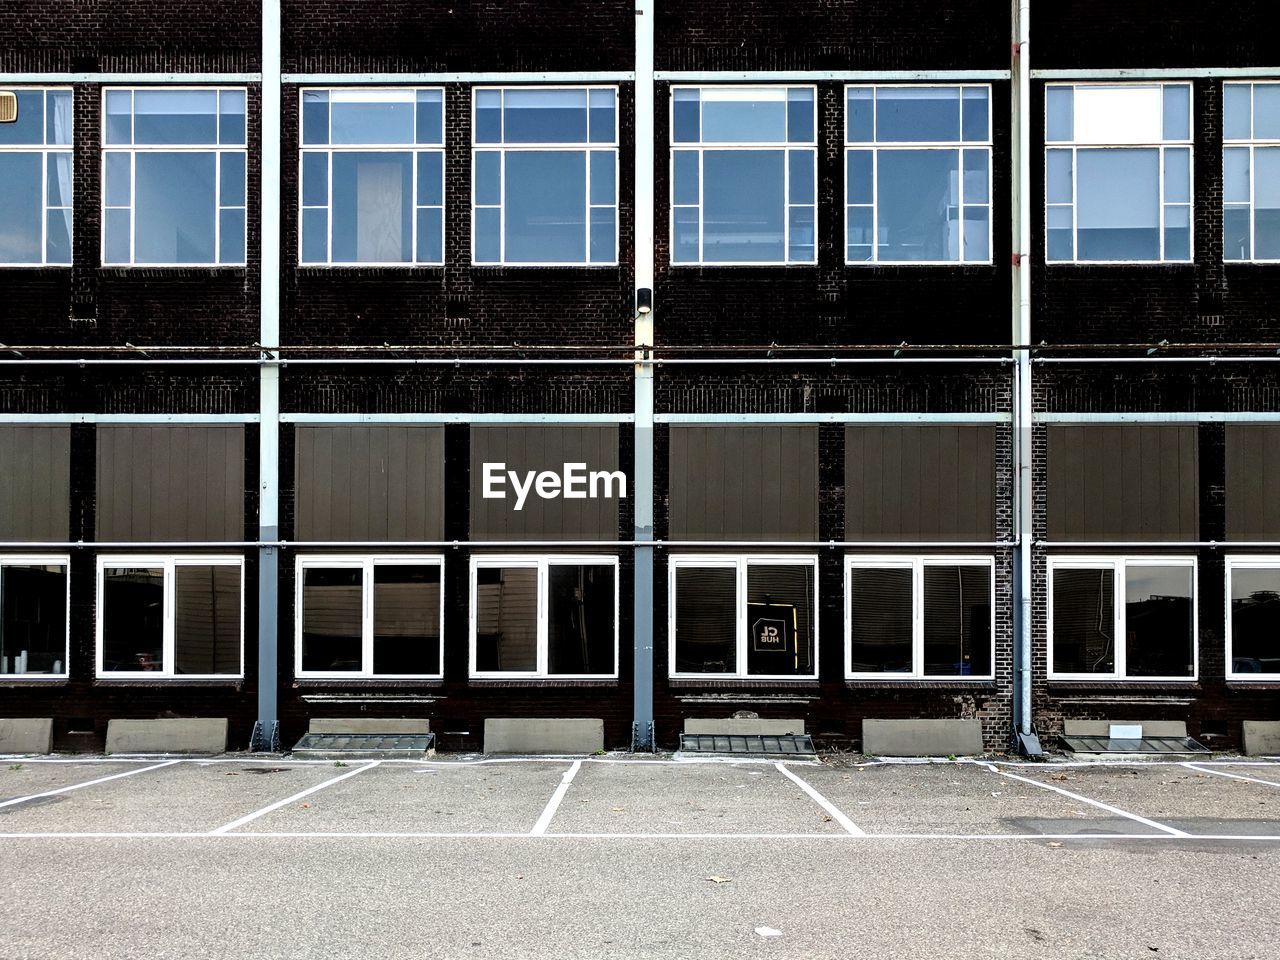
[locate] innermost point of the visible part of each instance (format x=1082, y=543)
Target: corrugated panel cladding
x=35, y=495
x=1253, y=482
x=1124, y=482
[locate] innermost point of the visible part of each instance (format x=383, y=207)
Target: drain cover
x=1147, y=745
x=372, y=745
x=755, y=745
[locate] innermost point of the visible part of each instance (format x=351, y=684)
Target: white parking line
x=836, y=814
x=553, y=804
x=1233, y=776
x=228, y=827
x=87, y=783
x=547, y=837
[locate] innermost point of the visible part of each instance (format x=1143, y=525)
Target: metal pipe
x=1156, y=358
x=823, y=361
x=385, y=545
x=1161, y=544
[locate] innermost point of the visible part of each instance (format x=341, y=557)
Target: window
x=363, y=617
x=749, y=617
x=919, y=617
x=1118, y=172
x=1251, y=171
x=35, y=594
x=35, y=181
x=1253, y=618
x=544, y=176
x=1150, y=636
x=171, y=616
x=372, y=176
x=544, y=617
x=918, y=174
x=743, y=175
x=173, y=173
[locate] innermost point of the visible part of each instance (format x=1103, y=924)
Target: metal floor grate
x=365, y=744
x=756, y=745
x=1147, y=745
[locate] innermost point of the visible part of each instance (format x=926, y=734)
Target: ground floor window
x=369, y=616
x=1151, y=635
x=170, y=616
x=743, y=616
x=1253, y=618
x=544, y=616
x=34, y=599
x=919, y=617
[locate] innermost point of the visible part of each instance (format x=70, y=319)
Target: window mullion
x=366, y=618
x=170, y=595
x=541, y=605
x=917, y=618
x=742, y=566
x=1118, y=593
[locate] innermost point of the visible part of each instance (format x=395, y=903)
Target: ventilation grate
x=755, y=745
x=1147, y=745
x=373, y=745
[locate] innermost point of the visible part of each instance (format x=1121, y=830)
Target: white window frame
x=740, y=562
x=133, y=149
x=542, y=563
x=1250, y=143
x=1074, y=146
x=502, y=148
x=43, y=560
x=700, y=147
x=365, y=563
x=1118, y=565
x=1248, y=562
x=916, y=564
x=45, y=149
x=168, y=563
x=415, y=149
x=875, y=147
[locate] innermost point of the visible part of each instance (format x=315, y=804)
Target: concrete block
x=1261, y=738
x=347, y=725
x=181, y=735
x=736, y=726
x=1102, y=728
x=537, y=735
x=26, y=735
x=922, y=738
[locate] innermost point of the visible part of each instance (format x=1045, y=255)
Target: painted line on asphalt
x=836, y=813
x=249, y=818
x=1233, y=776
x=88, y=783
x=840, y=837
x=549, y=811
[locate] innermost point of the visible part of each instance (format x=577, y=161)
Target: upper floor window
x=372, y=176
x=1251, y=171
x=35, y=596
x=173, y=165
x=1118, y=172
x=544, y=176
x=918, y=174
x=35, y=181
x=1253, y=618
x=743, y=175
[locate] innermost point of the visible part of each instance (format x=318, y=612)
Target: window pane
x=744, y=116
x=430, y=237
x=21, y=208
x=231, y=117
x=743, y=206
x=976, y=177
x=315, y=179
x=603, y=176
x=546, y=207
x=913, y=114
x=315, y=117
x=206, y=619
x=1084, y=621
x=800, y=115
x=1266, y=187
x=685, y=168
x=372, y=117
x=231, y=236
x=685, y=117
x=859, y=239
x=488, y=173
x=1266, y=111
x=801, y=227
x=1255, y=620
x=685, y=224
x=919, y=215
x=372, y=207
x=706, y=620
x=603, y=116
x=117, y=236
x=175, y=207
x=488, y=239
x=488, y=116
x=1177, y=112
x=33, y=619
x=580, y=619
x=315, y=236
x=1124, y=114
x=430, y=121
x=119, y=123
x=957, y=621
x=406, y=619
x=859, y=127
x=29, y=127
x=880, y=620
x=58, y=117
x=1059, y=229
x=860, y=176
x=132, y=619
x=232, y=179
x=1158, y=625
x=604, y=244
x=506, y=619
x=780, y=620
x=1060, y=113
x=977, y=234
x=332, y=618
x=1235, y=111
x=976, y=114
x=1118, y=204
x=1235, y=175
x=1235, y=234
x=1177, y=233
x=545, y=116
x=1058, y=176
x=1177, y=176
x=175, y=116
x=430, y=179
x=119, y=171
x=58, y=236
x=800, y=171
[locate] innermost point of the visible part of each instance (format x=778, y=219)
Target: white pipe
x=1024, y=503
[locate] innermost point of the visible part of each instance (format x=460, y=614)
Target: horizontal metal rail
x=390, y=545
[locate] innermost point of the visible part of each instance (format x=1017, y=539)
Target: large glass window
x=361, y=617
x=544, y=617
x=1253, y=618
x=918, y=174
x=1118, y=172
x=372, y=176
x=170, y=616
x=544, y=176
x=35, y=181
x=34, y=597
x=173, y=174
x=1251, y=171
x=743, y=175
x=919, y=617
x=743, y=616
x=1150, y=636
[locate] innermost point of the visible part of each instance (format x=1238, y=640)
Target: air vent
x=753, y=745
x=1142, y=745
x=8, y=106
x=339, y=746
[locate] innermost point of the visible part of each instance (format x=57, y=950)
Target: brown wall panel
x=1253, y=482
x=35, y=494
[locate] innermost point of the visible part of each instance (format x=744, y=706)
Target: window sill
x=743, y=683
x=1125, y=686
x=230, y=682
x=10, y=681
x=1241, y=685
x=365, y=683
x=987, y=685
x=186, y=271
x=536, y=682
x=369, y=270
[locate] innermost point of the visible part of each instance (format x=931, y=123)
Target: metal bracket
x=642, y=737
x=265, y=737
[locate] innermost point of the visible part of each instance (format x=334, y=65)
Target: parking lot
x=476, y=856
